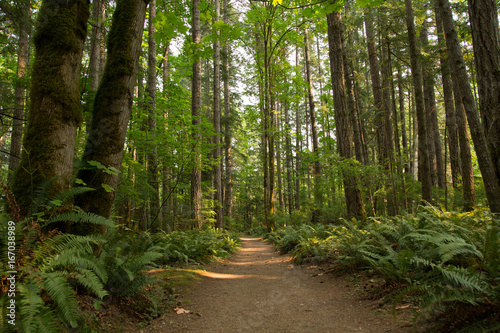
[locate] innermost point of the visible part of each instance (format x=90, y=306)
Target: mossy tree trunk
x=112, y=107
x=54, y=113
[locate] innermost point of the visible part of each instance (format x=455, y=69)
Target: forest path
x=259, y=290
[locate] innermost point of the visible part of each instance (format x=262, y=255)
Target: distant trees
x=363, y=131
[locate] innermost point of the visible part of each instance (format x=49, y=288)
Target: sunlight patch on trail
x=230, y=276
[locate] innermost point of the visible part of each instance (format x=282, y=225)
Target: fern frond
x=81, y=217
x=58, y=288
x=91, y=282
x=41, y=195
x=70, y=193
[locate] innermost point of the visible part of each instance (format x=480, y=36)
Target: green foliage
x=436, y=259
x=196, y=246
x=52, y=265
x=124, y=257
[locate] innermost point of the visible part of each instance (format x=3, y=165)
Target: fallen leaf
x=181, y=311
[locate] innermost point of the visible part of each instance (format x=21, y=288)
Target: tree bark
x=354, y=202
x=423, y=150
x=228, y=201
x=112, y=107
x=54, y=113
x=486, y=41
x=451, y=117
x=219, y=222
x=155, y=222
x=314, y=130
x=196, y=120
x=464, y=94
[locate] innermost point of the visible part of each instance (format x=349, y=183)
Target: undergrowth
x=441, y=261
x=57, y=270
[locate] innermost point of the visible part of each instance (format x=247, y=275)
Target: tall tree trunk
x=167, y=197
x=196, y=115
x=219, y=223
x=228, y=202
x=423, y=150
x=486, y=40
x=314, y=131
x=434, y=137
x=98, y=9
x=464, y=94
x=354, y=202
x=156, y=219
x=288, y=152
x=376, y=83
x=298, y=137
x=451, y=117
x=404, y=137
x=112, y=107
x=54, y=113
x=388, y=149
x=20, y=93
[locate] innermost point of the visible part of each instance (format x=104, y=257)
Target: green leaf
x=107, y=188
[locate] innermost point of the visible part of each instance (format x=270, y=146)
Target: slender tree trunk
x=196, y=115
x=167, y=196
x=404, y=137
x=314, y=131
x=155, y=222
x=434, y=138
x=217, y=128
x=298, y=137
x=54, y=113
x=423, y=150
x=354, y=202
x=464, y=94
x=228, y=202
x=112, y=107
x=20, y=94
x=376, y=83
x=451, y=117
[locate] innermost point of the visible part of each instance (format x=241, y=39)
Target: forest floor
x=259, y=290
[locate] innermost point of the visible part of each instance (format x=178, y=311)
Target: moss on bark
x=54, y=111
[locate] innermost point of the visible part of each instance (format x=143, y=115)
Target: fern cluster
x=196, y=246
x=436, y=258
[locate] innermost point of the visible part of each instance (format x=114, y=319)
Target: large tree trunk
x=196, y=121
x=464, y=94
x=486, y=40
x=354, y=202
x=112, y=107
x=55, y=112
x=219, y=222
x=423, y=150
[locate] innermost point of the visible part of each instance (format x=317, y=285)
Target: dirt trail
x=259, y=290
